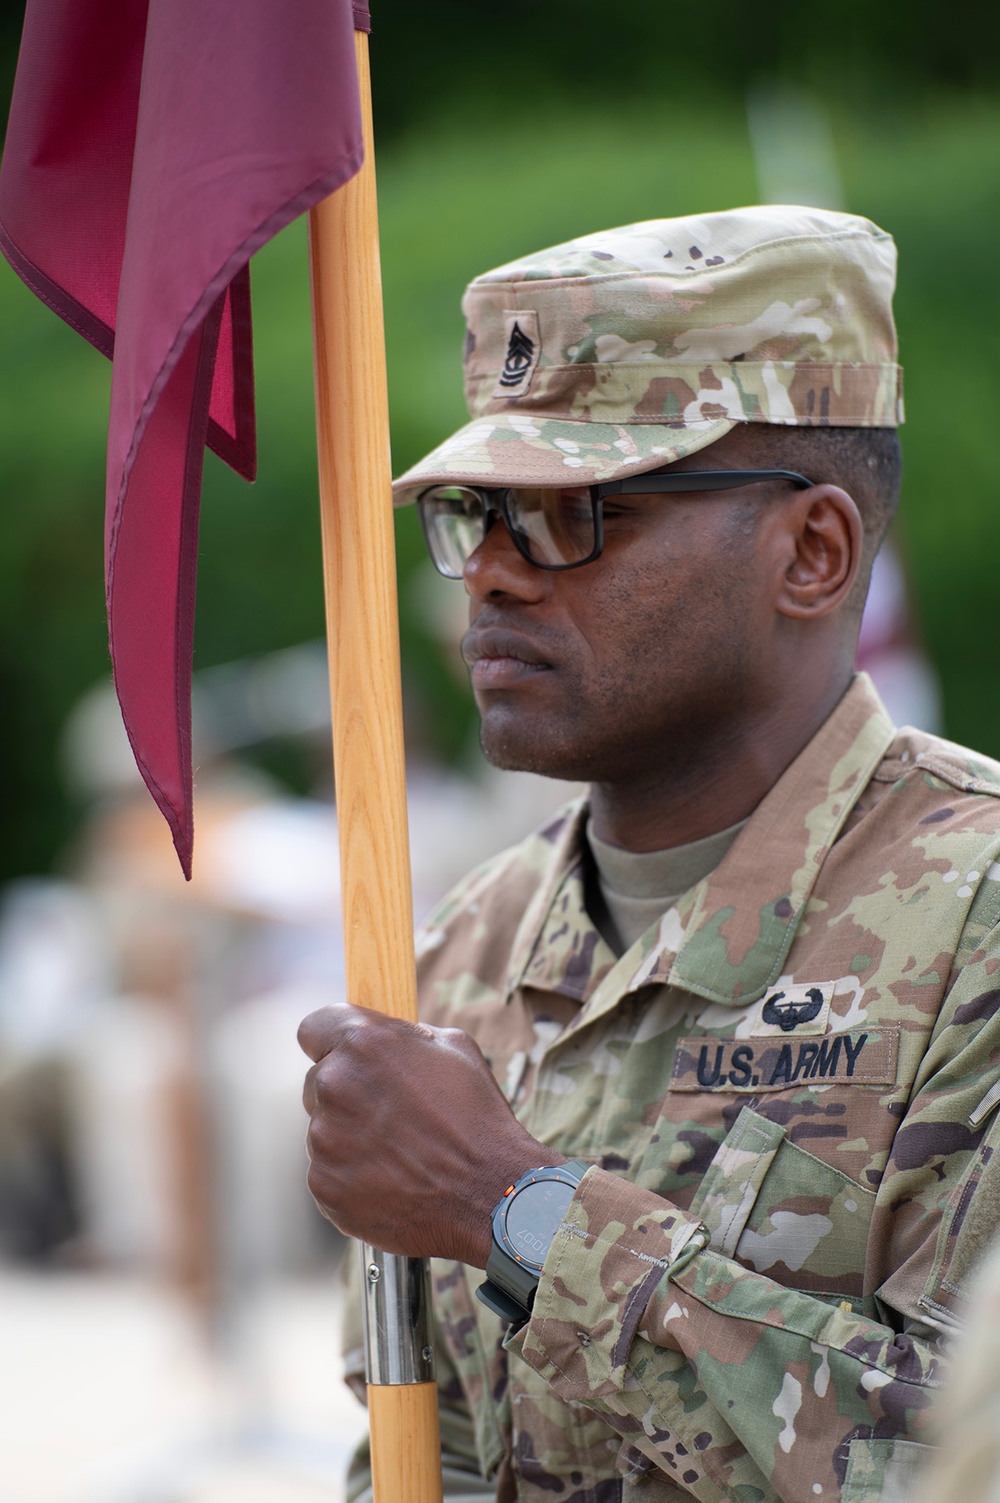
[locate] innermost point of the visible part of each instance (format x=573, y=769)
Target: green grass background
x=460, y=191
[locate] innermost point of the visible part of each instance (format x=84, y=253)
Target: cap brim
x=515, y=449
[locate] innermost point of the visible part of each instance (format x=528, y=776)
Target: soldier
x=713, y=1070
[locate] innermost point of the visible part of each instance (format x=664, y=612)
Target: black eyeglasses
x=552, y=528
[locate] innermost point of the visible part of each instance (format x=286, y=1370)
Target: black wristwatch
x=524, y=1225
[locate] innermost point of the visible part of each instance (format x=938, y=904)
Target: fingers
x=330, y=1027
x=319, y=1032
x=410, y=1136
x=309, y=1098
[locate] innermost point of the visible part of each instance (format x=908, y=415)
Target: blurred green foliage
x=492, y=146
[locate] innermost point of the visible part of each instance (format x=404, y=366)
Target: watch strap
x=514, y=1280
x=502, y=1304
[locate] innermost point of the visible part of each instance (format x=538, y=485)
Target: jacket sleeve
x=739, y=1387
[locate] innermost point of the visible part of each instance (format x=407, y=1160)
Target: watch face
x=532, y=1217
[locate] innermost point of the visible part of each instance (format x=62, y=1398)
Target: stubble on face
x=649, y=653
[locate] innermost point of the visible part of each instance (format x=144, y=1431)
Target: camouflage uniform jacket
x=786, y=1088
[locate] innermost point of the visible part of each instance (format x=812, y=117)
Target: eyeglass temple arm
x=695, y=480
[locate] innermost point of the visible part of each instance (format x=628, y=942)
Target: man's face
x=618, y=670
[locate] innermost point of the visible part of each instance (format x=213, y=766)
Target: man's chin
x=512, y=753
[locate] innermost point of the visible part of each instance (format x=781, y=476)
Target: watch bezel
x=512, y=1281
x=551, y=1173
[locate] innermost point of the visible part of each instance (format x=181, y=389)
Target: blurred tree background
x=501, y=131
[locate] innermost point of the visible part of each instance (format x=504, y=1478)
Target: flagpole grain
x=409, y=1467
x=359, y=571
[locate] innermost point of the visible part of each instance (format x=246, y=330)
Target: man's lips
x=497, y=659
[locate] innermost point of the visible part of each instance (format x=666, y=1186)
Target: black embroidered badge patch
x=521, y=356
x=861, y=1057
x=794, y=1007
x=788, y=1012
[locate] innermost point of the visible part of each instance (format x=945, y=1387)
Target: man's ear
x=824, y=537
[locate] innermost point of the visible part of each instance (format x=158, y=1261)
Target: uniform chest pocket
x=785, y=1213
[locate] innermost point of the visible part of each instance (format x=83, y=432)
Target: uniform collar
x=557, y=948
x=714, y=943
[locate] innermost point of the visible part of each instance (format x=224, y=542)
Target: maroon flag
x=153, y=146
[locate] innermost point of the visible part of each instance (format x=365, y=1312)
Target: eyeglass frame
x=657, y=483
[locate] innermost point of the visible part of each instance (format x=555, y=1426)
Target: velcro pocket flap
x=733, y=1179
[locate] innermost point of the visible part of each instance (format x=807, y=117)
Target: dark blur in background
x=156, y=1241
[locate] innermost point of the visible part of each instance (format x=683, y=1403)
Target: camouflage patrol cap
x=625, y=350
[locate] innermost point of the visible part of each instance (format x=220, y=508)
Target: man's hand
x=411, y=1141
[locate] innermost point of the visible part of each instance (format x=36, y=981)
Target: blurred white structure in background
x=234, y=705
x=109, y=1394
x=792, y=145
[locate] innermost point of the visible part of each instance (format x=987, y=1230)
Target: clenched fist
x=411, y=1141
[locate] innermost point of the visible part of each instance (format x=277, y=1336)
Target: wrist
x=495, y=1185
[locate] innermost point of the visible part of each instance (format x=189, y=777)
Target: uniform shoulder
x=960, y=768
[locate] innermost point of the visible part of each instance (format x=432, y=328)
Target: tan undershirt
x=637, y=887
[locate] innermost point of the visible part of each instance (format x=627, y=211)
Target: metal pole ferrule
x=397, y=1300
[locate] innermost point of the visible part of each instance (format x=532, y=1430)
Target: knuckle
x=336, y=1090
x=308, y=1030
x=316, y=1141
x=323, y=1083
x=319, y=1032
x=460, y=1040
x=315, y=1181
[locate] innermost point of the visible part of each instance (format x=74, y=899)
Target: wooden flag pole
x=365, y=691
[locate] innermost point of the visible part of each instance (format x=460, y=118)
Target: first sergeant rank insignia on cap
x=523, y=349
x=520, y=351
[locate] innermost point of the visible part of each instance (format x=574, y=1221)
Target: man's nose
x=497, y=568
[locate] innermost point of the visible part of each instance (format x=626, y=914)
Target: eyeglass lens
x=454, y=522
x=557, y=526
x=553, y=528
